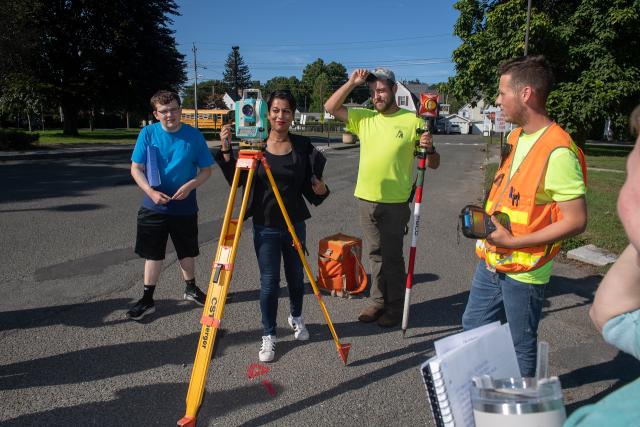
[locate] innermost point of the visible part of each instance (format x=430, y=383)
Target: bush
x=15, y=139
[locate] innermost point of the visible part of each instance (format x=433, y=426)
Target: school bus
x=207, y=119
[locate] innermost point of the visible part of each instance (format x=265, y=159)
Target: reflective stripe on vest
x=515, y=195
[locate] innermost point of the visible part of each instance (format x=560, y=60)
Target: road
x=68, y=274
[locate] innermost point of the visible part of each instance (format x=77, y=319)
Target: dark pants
x=494, y=296
x=384, y=226
x=272, y=244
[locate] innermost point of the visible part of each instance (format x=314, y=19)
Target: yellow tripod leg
x=221, y=273
x=343, y=349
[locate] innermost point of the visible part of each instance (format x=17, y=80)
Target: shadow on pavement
x=584, y=287
x=50, y=179
x=445, y=311
x=365, y=380
x=151, y=405
x=74, y=207
x=98, y=363
x=85, y=315
x=624, y=368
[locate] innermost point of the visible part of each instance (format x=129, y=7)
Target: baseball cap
x=382, y=74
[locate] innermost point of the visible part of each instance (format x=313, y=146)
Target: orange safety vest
x=516, y=196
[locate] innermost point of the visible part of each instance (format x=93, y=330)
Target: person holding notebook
x=169, y=161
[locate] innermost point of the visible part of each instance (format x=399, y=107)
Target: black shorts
x=154, y=229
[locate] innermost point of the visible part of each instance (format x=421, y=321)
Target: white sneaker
x=300, y=331
x=268, y=348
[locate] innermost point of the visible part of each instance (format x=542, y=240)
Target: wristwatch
x=227, y=151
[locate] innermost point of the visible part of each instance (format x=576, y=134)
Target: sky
x=280, y=37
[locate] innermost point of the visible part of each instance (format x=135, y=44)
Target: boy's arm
x=189, y=186
x=139, y=176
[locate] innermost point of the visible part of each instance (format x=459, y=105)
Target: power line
x=433, y=36
x=382, y=63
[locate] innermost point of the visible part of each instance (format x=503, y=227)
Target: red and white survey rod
x=422, y=156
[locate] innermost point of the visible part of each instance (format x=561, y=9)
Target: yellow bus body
x=207, y=119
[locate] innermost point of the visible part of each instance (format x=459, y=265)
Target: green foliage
x=15, y=139
x=210, y=94
x=290, y=83
x=84, y=55
x=592, y=45
x=332, y=75
x=320, y=93
x=236, y=74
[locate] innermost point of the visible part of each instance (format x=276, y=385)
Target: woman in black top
x=293, y=161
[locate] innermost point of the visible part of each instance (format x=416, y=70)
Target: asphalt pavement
x=68, y=355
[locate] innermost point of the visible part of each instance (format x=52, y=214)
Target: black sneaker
x=141, y=309
x=195, y=295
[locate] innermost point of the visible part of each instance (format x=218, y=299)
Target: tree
x=447, y=96
x=236, y=74
x=591, y=44
x=320, y=92
x=208, y=92
x=85, y=55
x=289, y=83
x=334, y=73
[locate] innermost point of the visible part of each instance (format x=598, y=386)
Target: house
x=455, y=123
x=408, y=95
x=480, y=117
x=230, y=99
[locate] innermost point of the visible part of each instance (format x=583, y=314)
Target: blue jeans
x=494, y=296
x=272, y=244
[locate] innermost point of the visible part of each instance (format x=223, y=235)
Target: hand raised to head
x=359, y=76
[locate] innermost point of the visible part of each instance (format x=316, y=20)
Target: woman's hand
x=225, y=137
x=318, y=186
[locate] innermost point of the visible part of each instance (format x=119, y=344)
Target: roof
x=417, y=89
x=233, y=96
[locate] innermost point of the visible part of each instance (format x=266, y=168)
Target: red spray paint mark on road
x=255, y=370
x=269, y=387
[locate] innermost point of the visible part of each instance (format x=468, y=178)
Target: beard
x=519, y=116
x=384, y=107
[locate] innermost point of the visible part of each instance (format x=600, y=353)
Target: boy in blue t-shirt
x=170, y=160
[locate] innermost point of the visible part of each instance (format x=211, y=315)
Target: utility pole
x=235, y=69
x=526, y=34
x=195, y=86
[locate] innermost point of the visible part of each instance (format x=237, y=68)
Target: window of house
x=403, y=100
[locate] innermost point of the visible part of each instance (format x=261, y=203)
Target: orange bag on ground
x=340, y=269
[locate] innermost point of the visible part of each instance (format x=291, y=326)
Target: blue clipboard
x=151, y=167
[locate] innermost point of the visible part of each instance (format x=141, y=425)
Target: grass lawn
x=607, y=157
x=604, y=228
x=99, y=136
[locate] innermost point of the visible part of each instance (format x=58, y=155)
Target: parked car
x=453, y=128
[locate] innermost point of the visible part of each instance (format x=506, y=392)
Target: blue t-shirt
x=179, y=155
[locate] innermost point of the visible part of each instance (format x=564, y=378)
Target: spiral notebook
x=447, y=375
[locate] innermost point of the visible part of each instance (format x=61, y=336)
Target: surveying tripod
x=221, y=272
